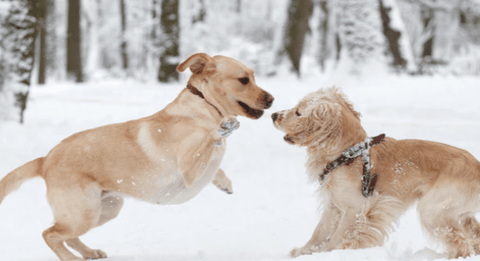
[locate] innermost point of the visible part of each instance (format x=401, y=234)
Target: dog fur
x=166, y=158
x=442, y=179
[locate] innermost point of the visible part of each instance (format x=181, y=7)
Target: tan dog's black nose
x=274, y=116
x=268, y=100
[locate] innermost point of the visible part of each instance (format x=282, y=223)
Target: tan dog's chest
x=162, y=181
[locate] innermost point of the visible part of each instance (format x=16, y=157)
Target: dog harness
x=350, y=154
x=195, y=91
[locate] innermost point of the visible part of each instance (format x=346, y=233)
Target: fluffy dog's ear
x=326, y=111
x=324, y=124
x=197, y=63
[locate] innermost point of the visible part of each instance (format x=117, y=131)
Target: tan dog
x=166, y=158
x=444, y=180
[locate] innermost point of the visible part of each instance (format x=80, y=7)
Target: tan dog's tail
x=14, y=179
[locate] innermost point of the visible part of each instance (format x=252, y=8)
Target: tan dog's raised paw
x=227, y=126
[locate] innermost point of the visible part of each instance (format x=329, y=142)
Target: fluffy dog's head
x=321, y=118
x=227, y=84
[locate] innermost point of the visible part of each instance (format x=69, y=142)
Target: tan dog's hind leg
x=85, y=251
x=111, y=206
x=325, y=228
x=76, y=210
x=222, y=182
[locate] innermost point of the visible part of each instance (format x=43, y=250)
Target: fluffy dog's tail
x=14, y=179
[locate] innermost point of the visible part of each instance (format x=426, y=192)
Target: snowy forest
x=410, y=67
x=89, y=40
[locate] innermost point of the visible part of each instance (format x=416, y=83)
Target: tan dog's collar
x=350, y=154
x=195, y=91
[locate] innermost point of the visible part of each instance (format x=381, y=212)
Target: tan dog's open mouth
x=251, y=112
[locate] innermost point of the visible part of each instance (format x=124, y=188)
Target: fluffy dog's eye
x=298, y=114
x=244, y=80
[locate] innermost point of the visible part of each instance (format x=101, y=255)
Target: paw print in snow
x=227, y=126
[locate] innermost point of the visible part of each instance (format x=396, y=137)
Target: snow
x=273, y=208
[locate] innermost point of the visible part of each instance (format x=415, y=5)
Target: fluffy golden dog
x=444, y=180
x=166, y=158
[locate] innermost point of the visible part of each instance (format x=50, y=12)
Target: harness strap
x=350, y=154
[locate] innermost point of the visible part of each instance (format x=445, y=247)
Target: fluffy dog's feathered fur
x=444, y=180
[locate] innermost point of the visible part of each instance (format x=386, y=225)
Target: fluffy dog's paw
x=227, y=126
x=303, y=251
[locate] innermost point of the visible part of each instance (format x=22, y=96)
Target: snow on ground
x=273, y=208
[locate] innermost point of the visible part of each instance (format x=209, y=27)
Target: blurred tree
x=396, y=35
x=93, y=13
x=330, y=45
x=238, y=6
x=74, y=46
x=200, y=16
x=18, y=42
x=124, y=38
x=42, y=31
x=299, y=12
x=360, y=33
x=169, y=55
x=51, y=39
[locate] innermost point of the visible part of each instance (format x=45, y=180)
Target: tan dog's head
x=320, y=119
x=227, y=84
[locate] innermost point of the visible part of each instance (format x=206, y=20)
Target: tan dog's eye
x=298, y=114
x=244, y=80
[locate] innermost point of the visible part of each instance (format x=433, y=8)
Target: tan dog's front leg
x=198, y=150
x=324, y=229
x=222, y=182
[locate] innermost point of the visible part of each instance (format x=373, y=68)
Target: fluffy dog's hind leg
x=441, y=219
x=472, y=227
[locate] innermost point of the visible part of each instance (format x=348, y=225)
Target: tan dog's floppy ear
x=197, y=63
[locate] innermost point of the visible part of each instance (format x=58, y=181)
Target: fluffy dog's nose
x=274, y=116
x=268, y=100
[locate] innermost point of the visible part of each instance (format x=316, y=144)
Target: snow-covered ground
x=273, y=208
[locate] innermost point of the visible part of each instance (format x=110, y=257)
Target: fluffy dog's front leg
x=222, y=182
x=327, y=225
x=347, y=221
x=198, y=149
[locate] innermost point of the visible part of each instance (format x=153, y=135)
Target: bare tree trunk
x=360, y=34
x=42, y=31
x=299, y=13
x=391, y=35
x=51, y=39
x=93, y=12
x=429, y=27
x=200, y=16
x=74, y=47
x=238, y=6
x=396, y=35
x=169, y=57
x=123, y=47
x=324, y=33
x=18, y=41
